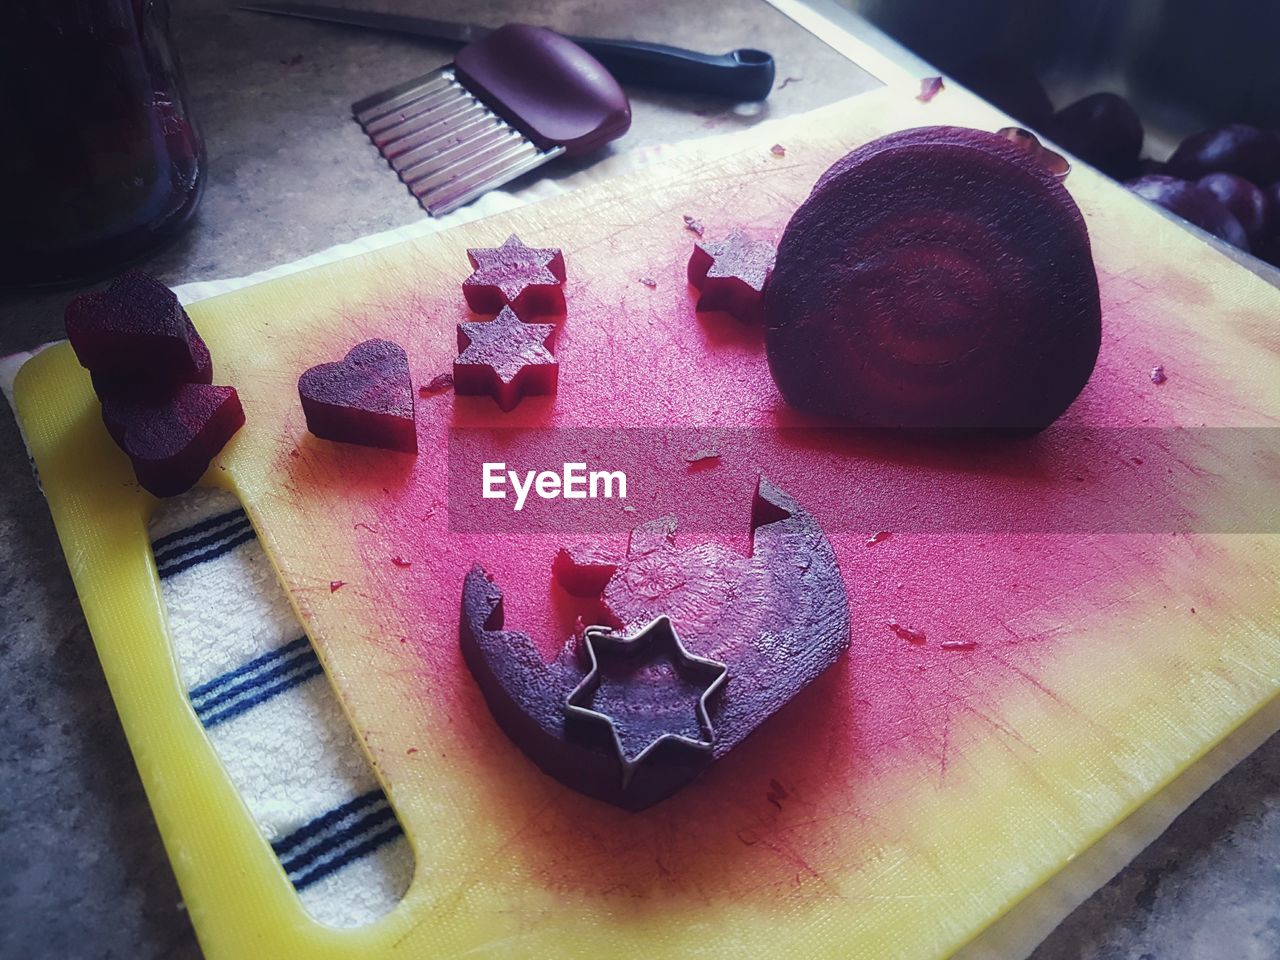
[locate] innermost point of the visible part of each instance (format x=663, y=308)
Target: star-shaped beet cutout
x=731, y=274
x=646, y=690
x=134, y=335
x=364, y=398
x=171, y=438
x=529, y=280
x=505, y=358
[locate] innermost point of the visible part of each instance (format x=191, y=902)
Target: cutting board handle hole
x=254, y=681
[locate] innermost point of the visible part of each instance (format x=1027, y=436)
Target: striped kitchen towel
x=257, y=687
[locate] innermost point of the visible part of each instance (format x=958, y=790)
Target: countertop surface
x=85, y=874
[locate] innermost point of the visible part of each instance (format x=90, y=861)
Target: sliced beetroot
x=1249, y=152
x=943, y=280
x=1247, y=202
x=1194, y=203
x=505, y=358
x=136, y=330
x=365, y=398
x=1102, y=129
x=529, y=280
x=777, y=618
x=171, y=438
x=1009, y=85
x=731, y=274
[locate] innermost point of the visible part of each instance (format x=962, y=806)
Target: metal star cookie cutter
x=660, y=630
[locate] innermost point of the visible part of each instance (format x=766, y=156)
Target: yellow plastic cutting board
x=1092, y=683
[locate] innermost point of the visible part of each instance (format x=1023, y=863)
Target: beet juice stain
x=101, y=159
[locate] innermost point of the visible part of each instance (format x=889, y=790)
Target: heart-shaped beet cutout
x=135, y=332
x=364, y=398
x=777, y=619
x=172, y=437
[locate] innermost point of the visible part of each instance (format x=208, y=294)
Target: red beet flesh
x=777, y=619
x=506, y=359
x=731, y=274
x=1192, y=202
x=938, y=278
x=135, y=334
x=529, y=280
x=365, y=398
x=170, y=438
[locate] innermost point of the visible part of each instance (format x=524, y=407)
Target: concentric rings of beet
x=937, y=278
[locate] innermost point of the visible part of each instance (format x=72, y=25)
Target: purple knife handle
x=547, y=86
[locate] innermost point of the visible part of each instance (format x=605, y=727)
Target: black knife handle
x=739, y=74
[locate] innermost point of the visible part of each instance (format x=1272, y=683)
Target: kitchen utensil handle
x=742, y=74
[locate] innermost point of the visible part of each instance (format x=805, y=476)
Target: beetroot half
x=365, y=398
x=938, y=278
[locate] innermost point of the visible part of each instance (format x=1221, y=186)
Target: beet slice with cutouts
x=939, y=278
x=170, y=438
x=364, y=398
x=777, y=617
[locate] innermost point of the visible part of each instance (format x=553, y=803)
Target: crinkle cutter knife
x=512, y=101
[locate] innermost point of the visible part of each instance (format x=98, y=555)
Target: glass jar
x=100, y=160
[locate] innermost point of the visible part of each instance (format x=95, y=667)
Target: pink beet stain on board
x=880, y=710
x=506, y=359
x=529, y=280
